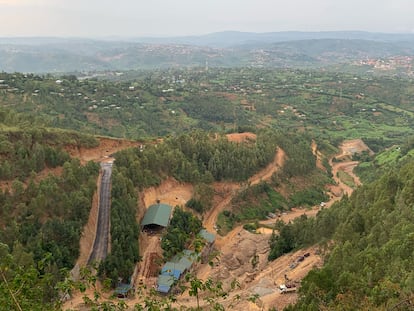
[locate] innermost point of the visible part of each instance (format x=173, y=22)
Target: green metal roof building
x=157, y=215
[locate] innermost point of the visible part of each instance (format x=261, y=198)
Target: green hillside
x=368, y=244
x=141, y=104
x=42, y=215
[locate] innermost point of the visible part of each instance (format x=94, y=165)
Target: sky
x=137, y=18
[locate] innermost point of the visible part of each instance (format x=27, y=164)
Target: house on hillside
x=157, y=217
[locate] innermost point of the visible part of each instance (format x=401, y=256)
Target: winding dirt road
x=271, y=274
x=231, y=189
x=276, y=270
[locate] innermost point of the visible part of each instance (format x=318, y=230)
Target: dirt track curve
x=232, y=188
x=264, y=278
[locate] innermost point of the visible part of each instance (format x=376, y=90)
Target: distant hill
x=235, y=38
x=225, y=49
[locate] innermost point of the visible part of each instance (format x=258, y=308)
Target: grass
x=396, y=109
x=388, y=156
x=346, y=179
x=224, y=224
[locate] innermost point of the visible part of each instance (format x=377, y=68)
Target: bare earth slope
x=239, y=247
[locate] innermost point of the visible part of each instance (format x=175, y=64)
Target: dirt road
x=239, y=247
x=231, y=189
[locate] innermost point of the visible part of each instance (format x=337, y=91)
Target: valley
x=236, y=249
x=278, y=163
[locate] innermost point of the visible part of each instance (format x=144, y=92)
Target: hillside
x=237, y=38
x=141, y=105
x=227, y=49
x=250, y=279
x=236, y=149
x=368, y=265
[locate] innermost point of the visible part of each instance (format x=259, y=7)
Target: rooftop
x=208, y=236
x=157, y=214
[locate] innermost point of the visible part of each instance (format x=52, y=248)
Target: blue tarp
x=172, y=269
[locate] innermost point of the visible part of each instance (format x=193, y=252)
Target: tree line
x=181, y=231
x=120, y=262
x=41, y=224
x=367, y=242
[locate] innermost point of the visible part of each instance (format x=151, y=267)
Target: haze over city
x=126, y=18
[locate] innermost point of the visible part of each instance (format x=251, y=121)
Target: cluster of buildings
x=157, y=218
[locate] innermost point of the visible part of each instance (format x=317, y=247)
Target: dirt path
x=318, y=156
x=230, y=189
x=239, y=246
x=106, y=147
x=272, y=168
x=348, y=168
x=344, y=163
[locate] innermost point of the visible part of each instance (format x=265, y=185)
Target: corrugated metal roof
x=164, y=283
x=157, y=214
x=208, y=236
x=172, y=269
x=185, y=259
x=163, y=288
x=123, y=289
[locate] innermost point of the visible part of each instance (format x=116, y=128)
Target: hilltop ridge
x=223, y=49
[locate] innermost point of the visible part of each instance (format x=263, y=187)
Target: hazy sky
x=102, y=18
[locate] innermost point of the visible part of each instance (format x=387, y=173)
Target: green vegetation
x=120, y=262
x=346, y=179
x=256, y=202
x=181, y=231
x=371, y=168
x=22, y=286
x=253, y=203
x=368, y=266
x=202, y=199
x=32, y=148
x=367, y=237
x=140, y=104
x=198, y=158
x=308, y=197
x=43, y=220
